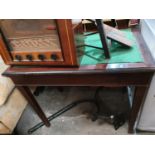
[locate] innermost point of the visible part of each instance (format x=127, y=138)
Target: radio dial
x=29, y=57
x=41, y=57
x=18, y=57
x=54, y=57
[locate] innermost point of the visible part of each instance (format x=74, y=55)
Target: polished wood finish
x=39, y=77
x=4, y=52
x=110, y=75
x=81, y=79
x=67, y=41
x=66, y=36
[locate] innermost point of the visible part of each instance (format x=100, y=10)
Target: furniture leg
x=139, y=96
x=58, y=113
x=29, y=96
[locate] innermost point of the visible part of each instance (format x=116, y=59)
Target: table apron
x=117, y=79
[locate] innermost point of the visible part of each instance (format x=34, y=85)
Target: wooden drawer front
x=37, y=56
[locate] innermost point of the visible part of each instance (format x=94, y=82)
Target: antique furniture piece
x=38, y=42
x=110, y=75
x=42, y=41
x=51, y=42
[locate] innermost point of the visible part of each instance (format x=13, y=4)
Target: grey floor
x=77, y=121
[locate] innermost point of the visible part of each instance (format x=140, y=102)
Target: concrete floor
x=77, y=121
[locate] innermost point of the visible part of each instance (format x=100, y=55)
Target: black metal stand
x=101, y=31
x=58, y=113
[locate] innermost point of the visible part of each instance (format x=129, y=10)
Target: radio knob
x=18, y=57
x=54, y=57
x=41, y=57
x=29, y=57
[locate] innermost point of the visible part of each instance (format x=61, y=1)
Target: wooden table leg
x=139, y=96
x=30, y=98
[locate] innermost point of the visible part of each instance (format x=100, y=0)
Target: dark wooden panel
x=119, y=79
x=138, y=100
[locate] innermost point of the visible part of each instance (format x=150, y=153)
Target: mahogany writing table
x=110, y=75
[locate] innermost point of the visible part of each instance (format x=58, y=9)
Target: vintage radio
x=38, y=42
x=60, y=42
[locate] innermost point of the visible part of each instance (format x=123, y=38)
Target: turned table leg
x=139, y=96
x=30, y=98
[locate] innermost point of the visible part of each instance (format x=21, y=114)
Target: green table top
x=119, y=53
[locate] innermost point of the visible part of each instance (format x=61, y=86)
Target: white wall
x=147, y=117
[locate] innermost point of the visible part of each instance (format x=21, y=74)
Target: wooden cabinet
x=38, y=42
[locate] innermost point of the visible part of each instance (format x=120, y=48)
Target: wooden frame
x=25, y=77
x=109, y=75
x=68, y=53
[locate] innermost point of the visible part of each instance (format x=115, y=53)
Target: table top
x=147, y=66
